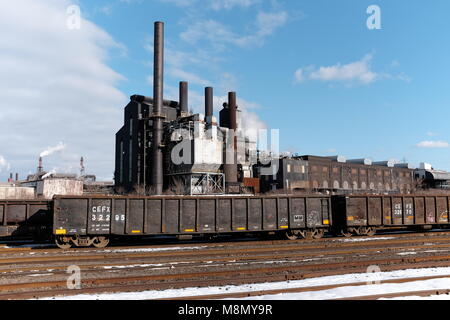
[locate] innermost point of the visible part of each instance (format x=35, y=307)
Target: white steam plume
x=50, y=150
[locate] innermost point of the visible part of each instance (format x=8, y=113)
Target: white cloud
x=216, y=5
x=433, y=144
x=188, y=76
x=4, y=165
x=56, y=86
x=230, y=4
x=355, y=72
x=359, y=71
x=220, y=35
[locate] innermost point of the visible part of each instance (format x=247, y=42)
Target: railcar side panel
x=387, y=211
x=357, y=211
x=239, y=215
x=224, y=214
x=71, y=217
x=188, y=218
x=442, y=209
x=397, y=211
x=171, y=216
x=135, y=217
x=375, y=211
x=419, y=210
x=255, y=217
x=430, y=207
x=119, y=214
x=154, y=217
x=298, y=213
x=24, y=217
x=207, y=216
x=270, y=214
x=408, y=211
x=283, y=213
x=99, y=216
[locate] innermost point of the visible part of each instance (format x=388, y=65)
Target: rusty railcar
x=85, y=221
x=25, y=218
x=363, y=215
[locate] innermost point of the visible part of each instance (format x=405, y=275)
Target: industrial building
x=45, y=185
x=197, y=151
x=163, y=148
x=336, y=174
x=429, y=178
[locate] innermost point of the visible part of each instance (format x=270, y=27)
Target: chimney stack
x=82, y=166
x=17, y=177
x=157, y=116
x=231, y=170
x=184, y=98
x=40, y=167
x=209, y=105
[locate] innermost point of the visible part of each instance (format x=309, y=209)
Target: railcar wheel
x=371, y=231
x=63, y=243
x=318, y=233
x=100, y=242
x=307, y=234
x=291, y=235
x=346, y=233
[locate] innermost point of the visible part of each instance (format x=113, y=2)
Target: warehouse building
x=337, y=174
x=429, y=178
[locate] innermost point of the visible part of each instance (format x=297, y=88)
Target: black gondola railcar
x=85, y=221
x=363, y=215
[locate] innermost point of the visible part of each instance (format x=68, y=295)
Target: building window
x=354, y=171
x=288, y=168
x=131, y=126
x=335, y=170
x=362, y=172
x=325, y=169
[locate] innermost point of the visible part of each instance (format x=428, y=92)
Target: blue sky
x=309, y=68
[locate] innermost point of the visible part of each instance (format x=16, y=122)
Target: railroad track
x=217, y=263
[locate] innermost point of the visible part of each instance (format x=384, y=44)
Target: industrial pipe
x=184, y=98
x=231, y=169
x=149, y=100
x=158, y=88
x=209, y=105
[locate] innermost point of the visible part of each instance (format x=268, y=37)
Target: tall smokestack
x=231, y=170
x=17, y=177
x=209, y=105
x=158, y=88
x=10, y=177
x=82, y=169
x=40, y=167
x=184, y=98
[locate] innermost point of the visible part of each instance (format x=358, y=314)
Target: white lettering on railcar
x=101, y=209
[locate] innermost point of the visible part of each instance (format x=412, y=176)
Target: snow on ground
x=358, y=291
x=440, y=297
x=342, y=292
x=155, y=249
